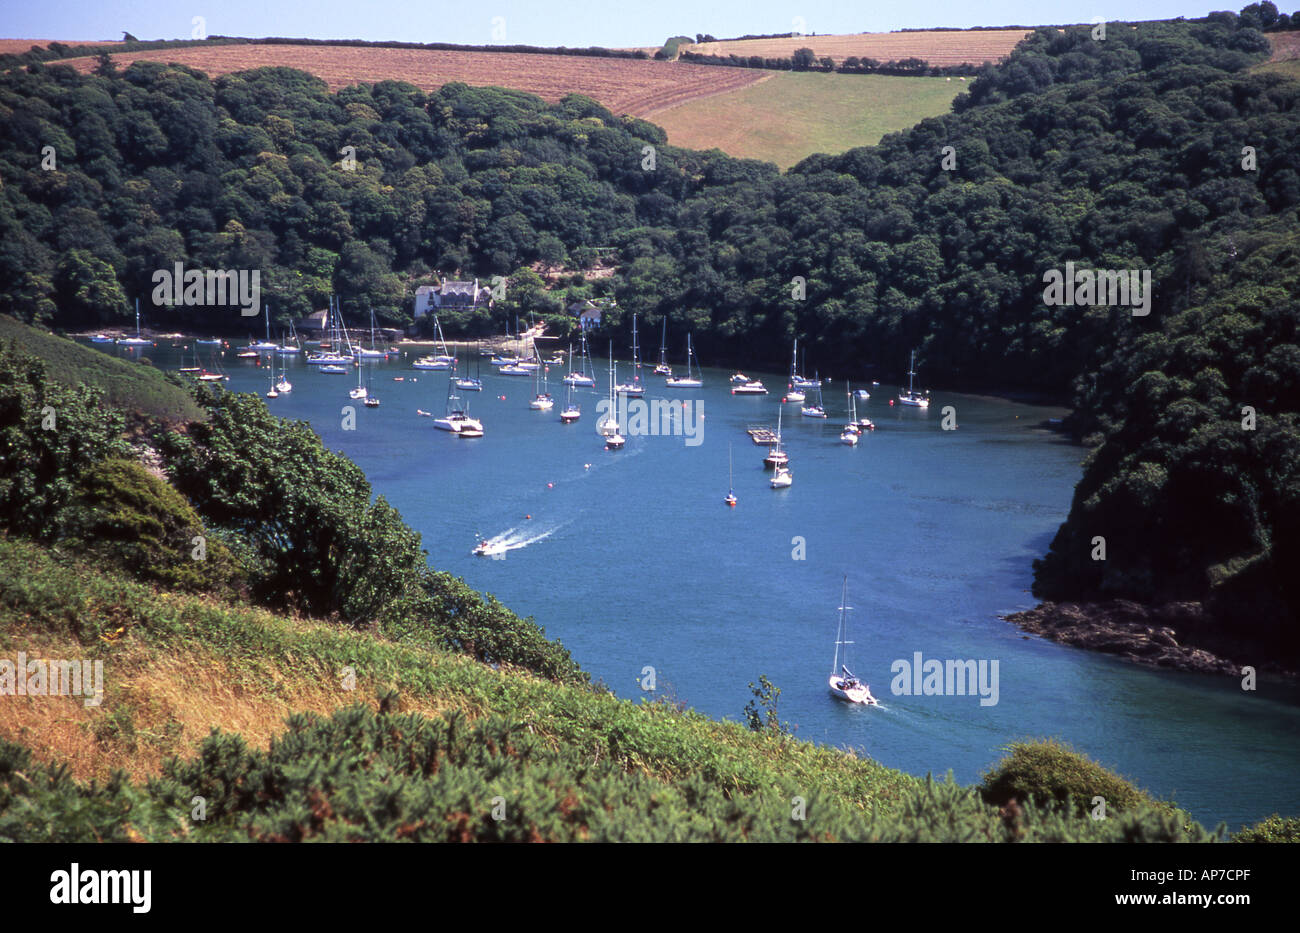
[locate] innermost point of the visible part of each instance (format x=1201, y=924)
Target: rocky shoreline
x=1153, y=635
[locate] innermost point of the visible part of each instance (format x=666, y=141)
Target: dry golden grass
x=159, y=706
x=1286, y=46
x=625, y=86
x=972, y=47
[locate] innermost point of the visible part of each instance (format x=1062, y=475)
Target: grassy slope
x=127, y=386
x=794, y=115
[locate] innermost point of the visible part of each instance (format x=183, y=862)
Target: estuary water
x=632, y=559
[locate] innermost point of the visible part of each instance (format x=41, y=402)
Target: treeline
x=806, y=60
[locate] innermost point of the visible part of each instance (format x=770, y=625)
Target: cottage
x=587, y=313
x=451, y=295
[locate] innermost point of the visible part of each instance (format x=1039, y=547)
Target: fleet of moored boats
x=337, y=354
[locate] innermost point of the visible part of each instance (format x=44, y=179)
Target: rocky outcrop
x=1159, y=636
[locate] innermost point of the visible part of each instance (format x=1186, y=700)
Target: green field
x=793, y=115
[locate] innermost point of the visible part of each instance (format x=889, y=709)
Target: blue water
x=637, y=562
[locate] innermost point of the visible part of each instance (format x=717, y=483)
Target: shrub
x=1049, y=771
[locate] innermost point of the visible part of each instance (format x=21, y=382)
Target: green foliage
x=123, y=514
x=49, y=434
x=760, y=712
x=1273, y=829
x=1052, y=772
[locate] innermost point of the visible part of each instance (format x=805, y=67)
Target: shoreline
x=1153, y=636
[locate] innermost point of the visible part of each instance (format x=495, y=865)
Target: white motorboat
x=782, y=478
x=750, y=387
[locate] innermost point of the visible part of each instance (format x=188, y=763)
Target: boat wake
x=513, y=539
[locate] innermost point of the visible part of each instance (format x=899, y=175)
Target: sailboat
x=802, y=382
x=843, y=685
x=794, y=394
x=196, y=368
x=861, y=424
x=273, y=392
x=283, y=385
x=662, y=368
x=440, y=360
x=852, y=432
x=330, y=360
x=731, y=481
x=137, y=340
x=293, y=345
x=373, y=353
x=268, y=343
x=609, y=427
x=911, y=396
x=776, y=457
x=213, y=375
x=688, y=381
x=457, y=419
x=371, y=400
x=467, y=383
x=542, y=401
x=584, y=378
x=360, y=391
x=815, y=410
x=633, y=389
x=572, y=412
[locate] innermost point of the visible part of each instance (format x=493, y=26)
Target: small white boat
x=795, y=395
x=863, y=394
x=333, y=369
x=283, y=385
x=843, y=685
x=776, y=457
x=608, y=426
x=514, y=370
x=633, y=389
x=739, y=379
x=470, y=385
x=102, y=338
x=782, y=478
x=371, y=402
x=751, y=387
x=572, y=412
x=457, y=419
x=662, y=368
x=487, y=549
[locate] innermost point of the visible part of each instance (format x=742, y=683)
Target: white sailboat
x=802, y=382
x=584, y=378
x=843, y=685
x=572, y=412
x=731, y=481
x=360, y=391
x=137, y=340
x=633, y=389
x=371, y=400
x=291, y=346
x=911, y=396
x=688, y=381
x=662, y=368
x=794, y=394
x=815, y=409
x=465, y=382
x=273, y=392
x=268, y=343
x=852, y=433
x=542, y=400
x=331, y=357
x=609, y=427
x=373, y=352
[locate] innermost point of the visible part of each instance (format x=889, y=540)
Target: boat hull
x=859, y=693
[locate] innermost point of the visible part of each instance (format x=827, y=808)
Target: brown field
x=625, y=86
x=972, y=47
x=1286, y=46
x=18, y=46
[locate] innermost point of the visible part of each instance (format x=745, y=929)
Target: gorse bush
x=362, y=775
x=123, y=514
x=1051, y=772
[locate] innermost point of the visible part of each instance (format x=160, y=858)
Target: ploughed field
x=972, y=47
x=625, y=86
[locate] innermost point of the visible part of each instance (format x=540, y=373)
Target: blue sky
x=548, y=22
